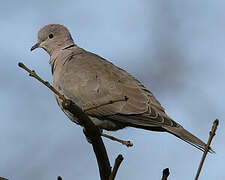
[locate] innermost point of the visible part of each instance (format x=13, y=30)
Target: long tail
x=183, y=134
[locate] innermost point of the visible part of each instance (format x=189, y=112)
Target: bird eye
x=50, y=36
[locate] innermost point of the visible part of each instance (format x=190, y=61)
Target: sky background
x=176, y=48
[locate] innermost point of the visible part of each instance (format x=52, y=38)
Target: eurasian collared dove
x=90, y=80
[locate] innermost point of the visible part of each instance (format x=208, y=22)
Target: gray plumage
x=88, y=80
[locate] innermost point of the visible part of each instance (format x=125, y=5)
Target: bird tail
x=183, y=134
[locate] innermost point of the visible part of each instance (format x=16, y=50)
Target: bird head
x=53, y=37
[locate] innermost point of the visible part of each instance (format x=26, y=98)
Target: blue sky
x=175, y=48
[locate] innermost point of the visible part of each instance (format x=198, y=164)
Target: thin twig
x=118, y=161
x=211, y=135
x=166, y=173
x=127, y=143
x=125, y=98
x=32, y=73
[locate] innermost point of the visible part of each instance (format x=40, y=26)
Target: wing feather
x=90, y=80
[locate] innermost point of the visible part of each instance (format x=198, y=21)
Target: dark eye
x=50, y=36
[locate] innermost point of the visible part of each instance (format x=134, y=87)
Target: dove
x=91, y=81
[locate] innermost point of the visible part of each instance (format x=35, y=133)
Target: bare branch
x=211, y=135
x=166, y=173
x=118, y=161
x=94, y=135
x=127, y=143
x=32, y=73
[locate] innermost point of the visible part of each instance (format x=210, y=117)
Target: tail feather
x=186, y=136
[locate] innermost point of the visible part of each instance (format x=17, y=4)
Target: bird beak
x=37, y=45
